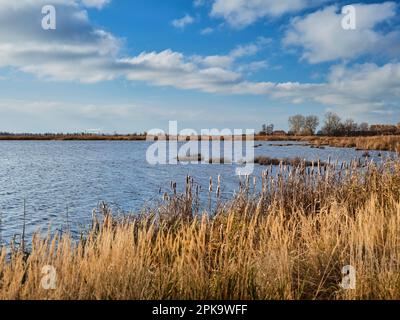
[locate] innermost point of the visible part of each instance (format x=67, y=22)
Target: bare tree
x=363, y=127
x=267, y=129
x=332, y=124
x=296, y=124
x=270, y=129
x=264, y=129
x=311, y=124
x=350, y=127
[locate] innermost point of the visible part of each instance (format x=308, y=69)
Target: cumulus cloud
x=170, y=68
x=254, y=66
x=74, y=51
x=241, y=51
x=77, y=51
x=206, y=31
x=360, y=88
x=241, y=13
x=96, y=3
x=321, y=37
x=364, y=84
x=183, y=22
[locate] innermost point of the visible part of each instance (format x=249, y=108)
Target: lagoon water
x=56, y=177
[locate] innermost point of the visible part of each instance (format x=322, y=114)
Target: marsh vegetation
x=288, y=241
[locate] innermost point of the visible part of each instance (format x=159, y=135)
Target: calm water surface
x=54, y=177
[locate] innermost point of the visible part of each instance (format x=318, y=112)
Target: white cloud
x=357, y=89
x=360, y=88
x=222, y=61
x=366, y=83
x=241, y=51
x=206, y=31
x=18, y=5
x=96, y=3
x=254, y=66
x=74, y=51
x=322, y=38
x=199, y=3
x=250, y=49
x=77, y=51
x=183, y=22
x=168, y=68
x=241, y=13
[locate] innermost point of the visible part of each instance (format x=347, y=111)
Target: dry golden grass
x=72, y=137
x=383, y=143
x=288, y=242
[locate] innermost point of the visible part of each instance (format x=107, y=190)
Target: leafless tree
x=350, y=127
x=311, y=124
x=296, y=124
x=363, y=127
x=332, y=124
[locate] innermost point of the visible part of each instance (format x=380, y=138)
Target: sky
x=134, y=65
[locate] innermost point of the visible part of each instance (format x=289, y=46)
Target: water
x=56, y=177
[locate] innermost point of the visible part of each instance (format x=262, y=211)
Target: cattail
x=219, y=186
x=218, y=191
x=174, y=187
x=1, y=228
x=23, y=228
x=94, y=219
x=165, y=197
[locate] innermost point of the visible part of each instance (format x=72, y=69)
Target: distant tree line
x=268, y=129
x=332, y=125
x=301, y=125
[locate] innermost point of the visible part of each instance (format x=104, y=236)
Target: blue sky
x=129, y=66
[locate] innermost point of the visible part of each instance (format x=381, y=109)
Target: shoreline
x=378, y=143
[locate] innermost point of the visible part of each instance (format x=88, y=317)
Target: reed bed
x=382, y=143
x=295, y=162
x=289, y=240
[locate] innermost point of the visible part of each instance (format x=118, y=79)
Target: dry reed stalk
x=288, y=241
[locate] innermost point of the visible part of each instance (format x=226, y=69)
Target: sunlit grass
x=289, y=241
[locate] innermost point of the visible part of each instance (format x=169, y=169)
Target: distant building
x=279, y=133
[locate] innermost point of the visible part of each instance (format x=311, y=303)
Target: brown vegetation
x=296, y=162
x=72, y=137
x=289, y=241
x=382, y=143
